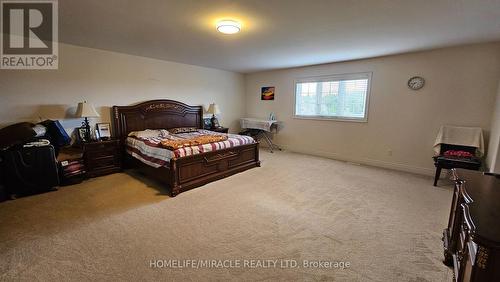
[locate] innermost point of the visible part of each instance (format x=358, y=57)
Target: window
x=342, y=97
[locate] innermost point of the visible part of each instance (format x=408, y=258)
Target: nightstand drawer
x=103, y=166
x=106, y=152
x=101, y=162
x=102, y=157
x=101, y=146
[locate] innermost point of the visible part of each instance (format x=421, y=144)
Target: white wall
x=107, y=78
x=493, y=157
x=461, y=85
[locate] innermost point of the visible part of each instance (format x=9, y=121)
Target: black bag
x=16, y=134
x=29, y=170
x=3, y=193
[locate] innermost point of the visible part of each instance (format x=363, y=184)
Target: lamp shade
x=86, y=110
x=213, y=109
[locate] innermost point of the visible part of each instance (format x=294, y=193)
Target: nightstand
x=102, y=157
x=220, y=129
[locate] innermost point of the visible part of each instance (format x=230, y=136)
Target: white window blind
x=335, y=97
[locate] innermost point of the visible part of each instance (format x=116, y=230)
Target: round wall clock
x=416, y=82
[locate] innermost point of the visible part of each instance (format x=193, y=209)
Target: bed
x=180, y=173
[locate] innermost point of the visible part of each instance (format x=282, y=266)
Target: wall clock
x=416, y=82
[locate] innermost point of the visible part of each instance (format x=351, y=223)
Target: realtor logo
x=29, y=35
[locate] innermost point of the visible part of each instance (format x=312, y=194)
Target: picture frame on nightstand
x=215, y=123
x=103, y=131
x=80, y=133
x=207, y=123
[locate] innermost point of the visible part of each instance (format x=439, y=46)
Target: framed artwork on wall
x=267, y=93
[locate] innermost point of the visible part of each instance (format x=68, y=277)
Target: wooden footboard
x=193, y=171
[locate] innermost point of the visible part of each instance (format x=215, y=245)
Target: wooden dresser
x=472, y=238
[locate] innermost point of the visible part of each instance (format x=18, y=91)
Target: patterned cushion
x=458, y=153
x=199, y=140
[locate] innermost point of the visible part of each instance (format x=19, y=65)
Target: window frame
x=335, y=77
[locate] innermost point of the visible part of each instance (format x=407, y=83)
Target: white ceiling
x=275, y=33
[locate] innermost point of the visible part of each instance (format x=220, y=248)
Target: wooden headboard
x=155, y=114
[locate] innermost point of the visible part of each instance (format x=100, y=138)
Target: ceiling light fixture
x=228, y=27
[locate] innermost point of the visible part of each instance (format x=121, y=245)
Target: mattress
x=150, y=151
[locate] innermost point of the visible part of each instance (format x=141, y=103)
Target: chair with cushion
x=455, y=156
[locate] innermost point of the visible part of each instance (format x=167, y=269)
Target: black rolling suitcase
x=3, y=193
x=29, y=170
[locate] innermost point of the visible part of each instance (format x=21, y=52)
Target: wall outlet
x=389, y=152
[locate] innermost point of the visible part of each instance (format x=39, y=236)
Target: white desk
x=264, y=129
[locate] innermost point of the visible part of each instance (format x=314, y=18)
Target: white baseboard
x=364, y=161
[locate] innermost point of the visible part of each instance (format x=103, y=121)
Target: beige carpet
x=385, y=224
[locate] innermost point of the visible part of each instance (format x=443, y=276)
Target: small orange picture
x=267, y=93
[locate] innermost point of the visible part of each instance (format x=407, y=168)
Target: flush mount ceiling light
x=228, y=27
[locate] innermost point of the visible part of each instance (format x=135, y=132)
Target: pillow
x=149, y=133
x=182, y=130
x=40, y=130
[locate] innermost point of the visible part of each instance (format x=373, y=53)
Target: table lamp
x=86, y=111
x=214, y=110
